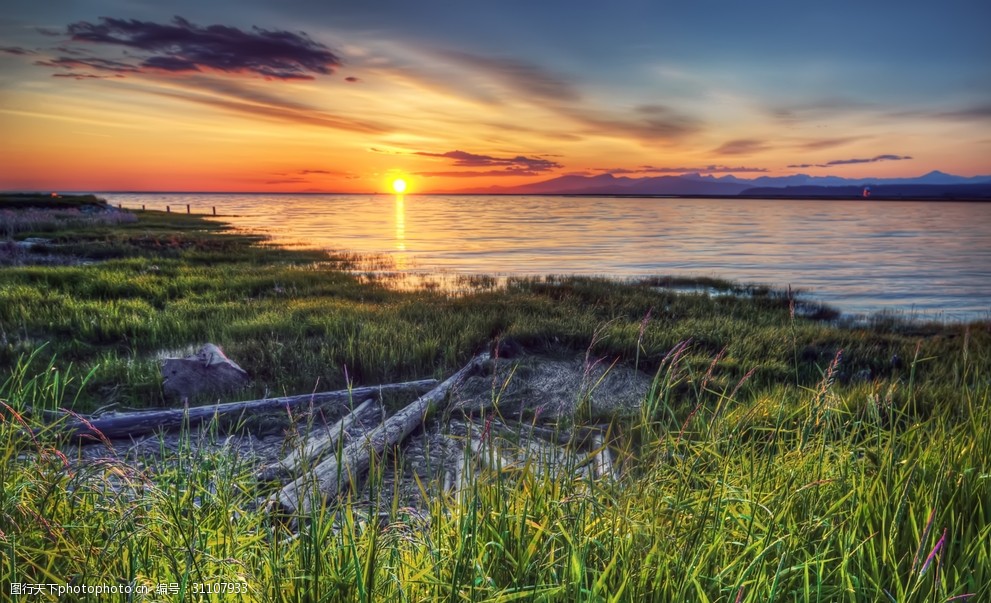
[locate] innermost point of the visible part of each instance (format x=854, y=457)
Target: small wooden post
x=215, y=210
x=119, y=206
x=142, y=207
x=168, y=209
x=187, y=208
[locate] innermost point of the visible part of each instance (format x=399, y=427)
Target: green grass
x=775, y=459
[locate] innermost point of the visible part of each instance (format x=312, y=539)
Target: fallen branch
x=122, y=425
x=317, y=446
x=329, y=477
x=602, y=465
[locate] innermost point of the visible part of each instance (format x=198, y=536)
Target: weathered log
x=317, y=446
x=454, y=480
x=487, y=454
x=329, y=477
x=122, y=425
x=602, y=465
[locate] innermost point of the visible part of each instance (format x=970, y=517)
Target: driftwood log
x=122, y=425
x=318, y=446
x=327, y=479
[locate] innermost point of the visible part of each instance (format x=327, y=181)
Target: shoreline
x=739, y=197
x=380, y=268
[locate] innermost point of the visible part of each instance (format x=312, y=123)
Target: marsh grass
x=825, y=494
x=775, y=458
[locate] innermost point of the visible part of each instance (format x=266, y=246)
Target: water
x=925, y=260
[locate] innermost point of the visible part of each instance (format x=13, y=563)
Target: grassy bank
x=776, y=457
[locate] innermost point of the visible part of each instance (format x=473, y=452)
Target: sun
x=399, y=186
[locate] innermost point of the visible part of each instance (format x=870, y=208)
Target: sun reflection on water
x=401, y=258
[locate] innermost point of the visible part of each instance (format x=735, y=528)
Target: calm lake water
x=929, y=260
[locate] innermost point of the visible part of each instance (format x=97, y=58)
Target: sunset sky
x=317, y=95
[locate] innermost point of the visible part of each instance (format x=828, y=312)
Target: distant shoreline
x=763, y=197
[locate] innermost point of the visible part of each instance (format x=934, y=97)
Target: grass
x=776, y=458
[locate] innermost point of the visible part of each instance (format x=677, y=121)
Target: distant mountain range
x=935, y=184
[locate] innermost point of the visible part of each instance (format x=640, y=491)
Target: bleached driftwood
x=327, y=479
x=122, y=425
x=318, y=446
x=454, y=480
x=602, y=463
x=522, y=453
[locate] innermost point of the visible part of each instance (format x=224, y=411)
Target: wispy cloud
x=476, y=173
x=88, y=63
x=86, y=76
x=972, y=113
x=706, y=169
x=521, y=76
x=646, y=123
x=307, y=176
x=519, y=165
x=274, y=109
x=181, y=46
x=817, y=109
x=826, y=143
x=15, y=50
x=742, y=146
x=560, y=94
x=837, y=162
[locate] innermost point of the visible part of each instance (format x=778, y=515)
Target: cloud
x=70, y=50
x=304, y=176
x=524, y=77
x=88, y=63
x=742, y=146
x=85, y=76
x=706, y=169
x=195, y=57
x=477, y=173
x=648, y=123
x=273, y=109
x=817, y=109
x=246, y=97
x=326, y=172
x=836, y=162
x=519, y=165
x=15, y=50
x=465, y=159
x=871, y=160
x=385, y=151
x=351, y=79
x=560, y=94
x=976, y=112
x=181, y=46
x=826, y=143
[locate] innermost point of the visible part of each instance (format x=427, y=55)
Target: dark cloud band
x=519, y=165
x=836, y=162
x=181, y=46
